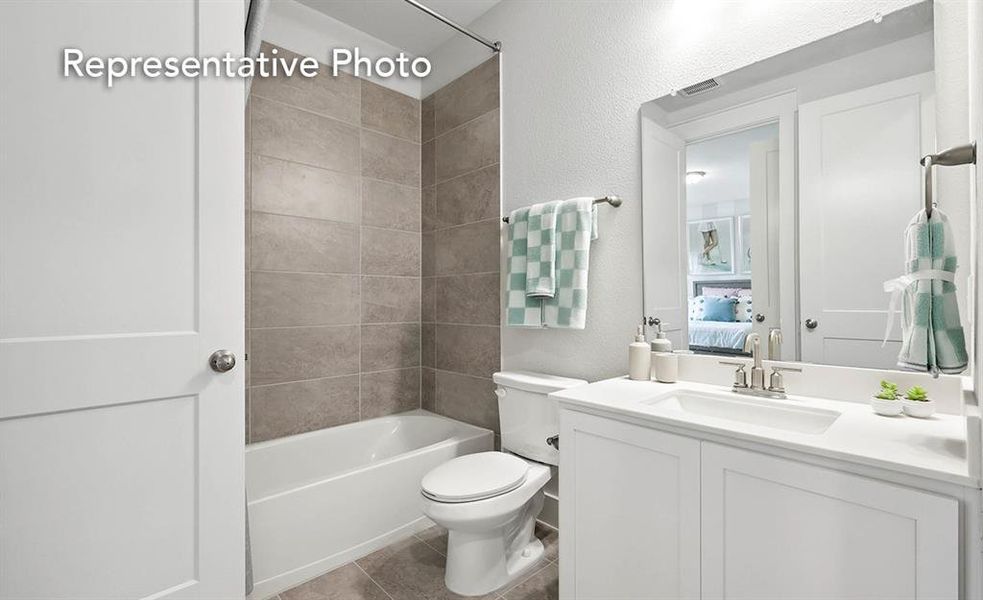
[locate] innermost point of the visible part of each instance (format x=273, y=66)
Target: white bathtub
x=318, y=500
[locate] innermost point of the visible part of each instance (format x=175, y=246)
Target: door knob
x=760, y=318
x=811, y=323
x=222, y=361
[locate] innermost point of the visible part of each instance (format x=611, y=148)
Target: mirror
x=785, y=188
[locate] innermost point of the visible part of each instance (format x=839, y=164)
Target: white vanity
x=688, y=490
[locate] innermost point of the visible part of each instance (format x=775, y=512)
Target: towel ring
x=957, y=155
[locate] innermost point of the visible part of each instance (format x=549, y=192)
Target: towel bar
x=614, y=201
x=957, y=155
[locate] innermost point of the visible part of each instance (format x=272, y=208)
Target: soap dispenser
x=661, y=343
x=639, y=357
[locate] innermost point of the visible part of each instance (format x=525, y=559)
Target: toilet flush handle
x=553, y=440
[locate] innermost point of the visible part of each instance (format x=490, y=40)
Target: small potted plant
x=886, y=402
x=917, y=403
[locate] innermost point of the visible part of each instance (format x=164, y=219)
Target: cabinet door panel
x=774, y=528
x=630, y=511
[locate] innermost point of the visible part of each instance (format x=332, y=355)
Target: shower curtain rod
x=493, y=46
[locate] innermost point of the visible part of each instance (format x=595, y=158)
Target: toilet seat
x=475, y=477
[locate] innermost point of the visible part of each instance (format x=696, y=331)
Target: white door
x=664, y=223
x=860, y=183
x=774, y=528
x=765, y=236
x=630, y=513
x=121, y=252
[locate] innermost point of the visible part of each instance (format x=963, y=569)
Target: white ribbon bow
x=898, y=285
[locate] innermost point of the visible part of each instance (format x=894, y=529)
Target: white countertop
x=934, y=448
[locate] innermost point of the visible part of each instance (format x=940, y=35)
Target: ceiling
x=727, y=162
x=400, y=24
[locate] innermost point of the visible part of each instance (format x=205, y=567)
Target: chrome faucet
x=756, y=385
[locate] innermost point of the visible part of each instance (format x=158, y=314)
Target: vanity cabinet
x=629, y=511
x=649, y=514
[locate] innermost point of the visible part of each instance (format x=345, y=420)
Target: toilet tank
x=526, y=414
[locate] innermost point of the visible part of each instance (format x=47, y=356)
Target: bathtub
x=318, y=500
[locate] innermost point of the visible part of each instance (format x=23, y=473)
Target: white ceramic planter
x=888, y=408
x=921, y=410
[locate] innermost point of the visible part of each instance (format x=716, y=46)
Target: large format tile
x=281, y=243
x=427, y=390
x=390, y=299
x=469, y=198
x=390, y=252
x=428, y=208
x=468, y=299
x=471, y=146
x=466, y=398
x=295, y=407
x=388, y=392
x=390, y=205
x=289, y=188
x=325, y=94
x=390, y=112
x=392, y=346
x=289, y=133
x=428, y=345
x=390, y=158
x=427, y=124
x=470, y=349
x=428, y=254
x=543, y=585
x=344, y=583
x=410, y=570
x=467, y=97
x=290, y=299
x=296, y=353
x=428, y=174
x=428, y=300
x=473, y=248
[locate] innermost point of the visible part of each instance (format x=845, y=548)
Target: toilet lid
x=475, y=477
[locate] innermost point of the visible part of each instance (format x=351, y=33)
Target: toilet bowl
x=490, y=518
x=489, y=501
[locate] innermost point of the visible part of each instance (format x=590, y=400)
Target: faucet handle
x=776, y=383
x=740, y=375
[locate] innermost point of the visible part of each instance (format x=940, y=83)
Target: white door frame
x=780, y=109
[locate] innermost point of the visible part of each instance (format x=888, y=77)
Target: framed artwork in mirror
x=711, y=246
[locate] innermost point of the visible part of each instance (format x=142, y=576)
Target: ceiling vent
x=699, y=88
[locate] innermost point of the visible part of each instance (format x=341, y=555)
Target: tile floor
x=413, y=569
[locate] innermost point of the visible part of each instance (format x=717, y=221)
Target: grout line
x=352, y=124
x=252, y=155
x=340, y=274
x=266, y=385
x=371, y=129
x=417, y=231
x=378, y=585
x=363, y=324
x=488, y=220
x=418, y=188
x=468, y=122
x=496, y=164
x=307, y=218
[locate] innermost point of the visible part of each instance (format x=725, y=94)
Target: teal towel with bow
x=932, y=334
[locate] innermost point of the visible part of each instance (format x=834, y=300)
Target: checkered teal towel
x=932, y=334
x=548, y=258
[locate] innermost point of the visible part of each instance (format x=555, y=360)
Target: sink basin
x=777, y=414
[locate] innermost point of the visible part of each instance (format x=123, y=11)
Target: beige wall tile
x=291, y=408
x=468, y=399
x=473, y=248
x=289, y=188
x=469, y=147
x=470, y=349
x=325, y=94
x=390, y=299
x=428, y=399
x=291, y=299
x=390, y=252
x=428, y=174
x=390, y=205
x=467, y=97
x=469, y=198
x=470, y=299
x=428, y=345
x=388, y=392
x=390, y=159
x=428, y=300
x=282, y=243
x=428, y=209
x=390, y=112
x=428, y=259
x=295, y=353
x=289, y=133
x=392, y=346
x=427, y=125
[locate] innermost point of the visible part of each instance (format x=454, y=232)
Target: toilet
x=488, y=501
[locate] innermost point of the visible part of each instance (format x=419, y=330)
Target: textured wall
x=573, y=77
x=461, y=222
x=333, y=253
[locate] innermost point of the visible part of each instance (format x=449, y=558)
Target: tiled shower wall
x=461, y=247
x=333, y=253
